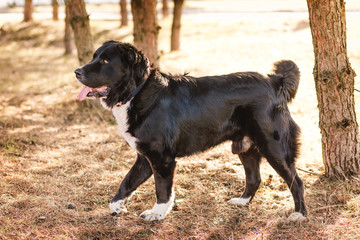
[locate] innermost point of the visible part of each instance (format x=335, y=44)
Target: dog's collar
x=146, y=76
x=130, y=97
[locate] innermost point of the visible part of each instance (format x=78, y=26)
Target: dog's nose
x=78, y=73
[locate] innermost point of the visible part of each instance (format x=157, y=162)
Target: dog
x=163, y=117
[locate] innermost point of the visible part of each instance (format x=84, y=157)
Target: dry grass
x=61, y=161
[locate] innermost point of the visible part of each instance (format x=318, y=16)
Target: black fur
x=175, y=116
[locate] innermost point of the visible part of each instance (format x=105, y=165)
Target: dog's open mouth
x=93, y=92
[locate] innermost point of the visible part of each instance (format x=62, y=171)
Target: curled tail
x=286, y=79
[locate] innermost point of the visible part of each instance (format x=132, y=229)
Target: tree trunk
x=55, y=7
x=165, y=8
x=146, y=29
x=123, y=13
x=68, y=33
x=334, y=81
x=28, y=11
x=175, y=30
x=79, y=21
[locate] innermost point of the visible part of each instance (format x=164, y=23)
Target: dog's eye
x=105, y=61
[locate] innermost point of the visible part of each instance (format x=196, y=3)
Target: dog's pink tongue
x=83, y=93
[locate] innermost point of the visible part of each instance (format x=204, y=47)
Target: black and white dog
x=166, y=116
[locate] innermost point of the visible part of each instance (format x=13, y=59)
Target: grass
x=61, y=160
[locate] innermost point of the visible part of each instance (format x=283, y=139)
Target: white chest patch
x=121, y=116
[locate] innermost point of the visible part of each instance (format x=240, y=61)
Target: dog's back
x=195, y=114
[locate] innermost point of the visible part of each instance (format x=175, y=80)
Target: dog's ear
x=127, y=53
x=141, y=67
x=132, y=57
x=138, y=62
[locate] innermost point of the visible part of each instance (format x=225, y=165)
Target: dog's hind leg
x=286, y=169
x=251, y=162
x=163, y=173
x=138, y=174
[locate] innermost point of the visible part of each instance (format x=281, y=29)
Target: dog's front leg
x=138, y=174
x=163, y=173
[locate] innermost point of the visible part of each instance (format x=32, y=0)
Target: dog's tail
x=286, y=79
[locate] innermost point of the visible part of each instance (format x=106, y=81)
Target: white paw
x=150, y=215
x=296, y=217
x=158, y=212
x=240, y=201
x=117, y=207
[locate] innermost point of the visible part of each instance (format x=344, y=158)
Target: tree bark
x=146, y=29
x=79, y=21
x=165, y=8
x=28, y=11
x=55, y=7
x=123, y=13
x=334, y=81
x=68, y=33
x=176, y=25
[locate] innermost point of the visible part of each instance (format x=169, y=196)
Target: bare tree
x=146, y=28
x=55, y=7
x=28, y=10
x=68, y=42
x=334, y=80
x=165, y=8
x=79, y=20
x=123, y=13
x=176, y=25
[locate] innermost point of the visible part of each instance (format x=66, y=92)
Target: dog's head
x=114, y=72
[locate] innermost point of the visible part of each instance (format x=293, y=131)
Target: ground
x=61, y=160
